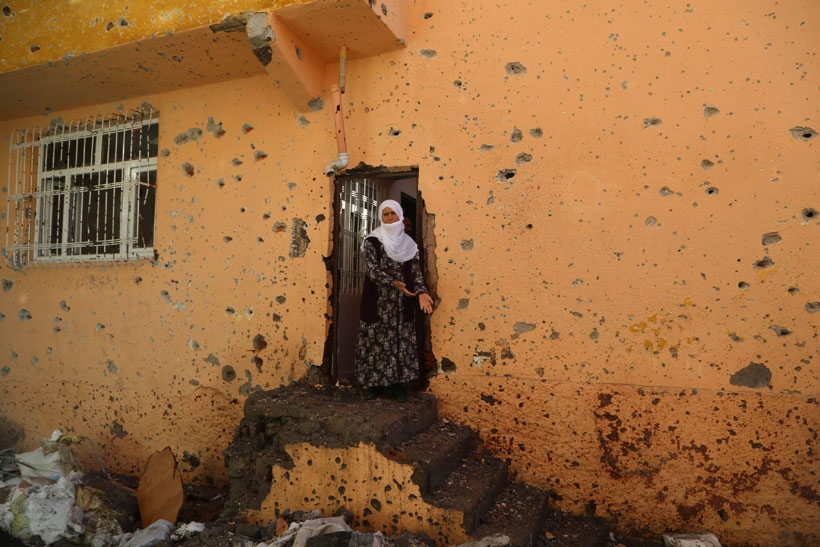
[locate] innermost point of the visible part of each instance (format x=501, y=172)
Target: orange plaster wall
x=597, y=229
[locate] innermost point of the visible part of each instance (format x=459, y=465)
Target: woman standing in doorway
x=386, y=352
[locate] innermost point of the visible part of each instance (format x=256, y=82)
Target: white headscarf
x=398, y=245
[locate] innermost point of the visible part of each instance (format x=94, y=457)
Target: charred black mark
x=193, y=134
x=188, y=169
x=763, y=264
x=651, y=122
x=803, y=133
x=490, y=400
x=515, y=68
x=809, y=214
x=754, y=375
x=447, y=365
x=770, y=239
x=505, y=175
x=709, y=111
x=299, y=239
x=228, y=373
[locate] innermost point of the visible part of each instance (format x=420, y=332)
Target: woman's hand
x=403, y=288
x=426, y=303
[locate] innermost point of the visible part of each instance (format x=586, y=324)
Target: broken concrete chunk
x=160, y=494
x=702, y=539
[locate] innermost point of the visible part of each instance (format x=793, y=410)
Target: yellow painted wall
x=601, y=177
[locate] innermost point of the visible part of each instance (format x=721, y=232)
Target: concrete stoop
x=396, y=467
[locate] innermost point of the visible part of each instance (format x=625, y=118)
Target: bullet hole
x=447, y=365
x=467, y=244
x=247, y=128
x=555, y=335
x=515, y=68
x=176, y=58
x=803, y=133
x=34, y=49
x=754, y=375
x=485, y=148
x=463, y=303
x=521, y=327
x=138, y=280
x=316, y=104
x=711, y=191
x=259, y=240
x=666, y=191
x=650, y=221
x=428, y=53
x=7, y=11
x=190, y=459
x=742, y=285
x=164, y=294
x=279, y=227
x=707, y=164
x=259, y=155
x=24, y=315
x=259, y=342
x=781, y=331
x=516, y=135
x=165, y=153
x=299, y=239
x=650, y=122
x=523, y=157
x=298, y=52
x=735, y=337
x=481, y=326
x=793, y=291
x=457, y=83
x=194, y=345
x=220, y=183
x=394, y=132
x=111, y=366
x=257, y=362
x=770, y=239
x=215, y=128
x=193, y=134
x=188, y=169
x=537, y=132
x=319, y=218
x=813, y=307
x=724, y=515
x=227, y=239
x=528, y=226
x=809, y=214
x=64, y=305
x=505, y=175
x=118, y=430
x=122, y=22
x=427, y=15
x=100, y=327
x=109, y=26
x=709, y=111
x=764, y=263
x=228, y=373
x=236, y=162
x=7, y=285
x=280, y=299
x=5, y=370
x=594, y=334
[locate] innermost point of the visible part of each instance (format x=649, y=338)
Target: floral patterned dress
x=386, y=351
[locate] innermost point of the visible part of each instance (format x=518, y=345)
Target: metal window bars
x=360, y=200
x=83, y=191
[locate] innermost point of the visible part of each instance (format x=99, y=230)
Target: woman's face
x=389, y=216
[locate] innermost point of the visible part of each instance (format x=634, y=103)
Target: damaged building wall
x=626, y=229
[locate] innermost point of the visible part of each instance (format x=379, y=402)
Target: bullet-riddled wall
x=626, y=228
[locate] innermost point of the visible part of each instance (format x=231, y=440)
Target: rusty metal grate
x=83, y=191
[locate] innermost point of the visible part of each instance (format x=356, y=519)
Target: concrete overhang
x=293, y=44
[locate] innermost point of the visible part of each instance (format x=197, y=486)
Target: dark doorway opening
x=356, y=200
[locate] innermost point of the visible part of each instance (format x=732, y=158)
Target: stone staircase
x=444, y=460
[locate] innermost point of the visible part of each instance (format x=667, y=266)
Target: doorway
x=356, y=204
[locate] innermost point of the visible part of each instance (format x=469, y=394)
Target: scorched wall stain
x=626, y=236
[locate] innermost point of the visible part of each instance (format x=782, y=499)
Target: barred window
x=83, y=191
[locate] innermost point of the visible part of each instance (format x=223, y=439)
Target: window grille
x=83, y=191
x=360, y=200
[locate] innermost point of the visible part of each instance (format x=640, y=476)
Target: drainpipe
x=341, y=143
